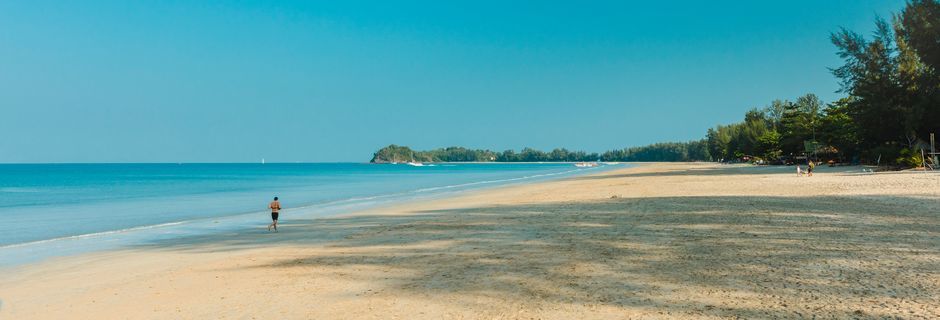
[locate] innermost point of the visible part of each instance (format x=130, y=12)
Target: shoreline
x=21, y=253
x=656, y=240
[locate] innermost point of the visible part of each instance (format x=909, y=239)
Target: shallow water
x=59, y=209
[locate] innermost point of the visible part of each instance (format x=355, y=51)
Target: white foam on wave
x=94, y=234
x=19, y=190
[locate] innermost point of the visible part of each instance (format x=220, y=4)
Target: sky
x=333, y=81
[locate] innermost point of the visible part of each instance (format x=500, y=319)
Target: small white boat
x=415, y=164
x=585, y=164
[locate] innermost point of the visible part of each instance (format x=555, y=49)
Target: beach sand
x=658, y=241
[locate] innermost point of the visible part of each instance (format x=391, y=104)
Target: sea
x=53, y=210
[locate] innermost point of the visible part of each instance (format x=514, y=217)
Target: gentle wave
x=19, y=190
x=95, y=234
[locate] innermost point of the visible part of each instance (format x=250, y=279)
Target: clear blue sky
x=206, y=81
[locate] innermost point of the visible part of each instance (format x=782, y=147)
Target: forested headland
x=670, y=151
x=891, y=105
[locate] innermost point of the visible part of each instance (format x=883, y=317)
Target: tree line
x=668, y=151
x=892, y=102
x=891, y=83
x=395, y=153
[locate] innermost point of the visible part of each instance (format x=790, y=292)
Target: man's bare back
x=275, y=207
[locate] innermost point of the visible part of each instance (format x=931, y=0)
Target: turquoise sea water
x=60, y=209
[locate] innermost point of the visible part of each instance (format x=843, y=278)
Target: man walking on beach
x=275, y=207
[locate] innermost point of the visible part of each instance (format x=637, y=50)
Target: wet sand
x=659, y=241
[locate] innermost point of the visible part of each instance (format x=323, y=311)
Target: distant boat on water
x=585, y=164
x=415, y=164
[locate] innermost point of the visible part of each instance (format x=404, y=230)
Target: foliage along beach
x=892, y=85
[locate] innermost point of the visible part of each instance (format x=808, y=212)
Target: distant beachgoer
x=275, y=208
x=809, y=168
x=799, y=171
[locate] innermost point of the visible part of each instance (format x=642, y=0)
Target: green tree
x=720, y=142
x=798, y=124
x=919, y=25
x=917, y=30
x=748, y=136
x=393, y=153
x=775, y=111
x=769, y=144
x=559, y=154
x=892, y=79
x=838, y=130
x=869, y=76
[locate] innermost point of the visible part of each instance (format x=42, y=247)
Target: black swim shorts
x=273, y=215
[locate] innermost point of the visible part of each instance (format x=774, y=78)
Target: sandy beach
x=657, y=241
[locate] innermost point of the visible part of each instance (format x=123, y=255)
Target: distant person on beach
x=809, y=168
x=799, y=171
x=275, y=208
